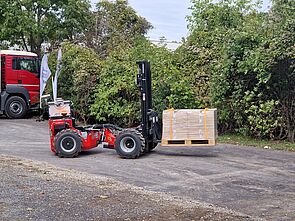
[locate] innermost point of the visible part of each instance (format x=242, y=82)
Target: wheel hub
x=127, y=144
x=16, y=107
x=68, y=144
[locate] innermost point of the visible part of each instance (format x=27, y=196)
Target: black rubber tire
x=134, y=140
x=15, y=107
x=71, y=139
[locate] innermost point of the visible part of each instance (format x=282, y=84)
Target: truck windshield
x=28, y=64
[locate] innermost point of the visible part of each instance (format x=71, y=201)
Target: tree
x=280, y=49
x=115, y=23
x=210, y=54
x=248, y=56
x=29, y=23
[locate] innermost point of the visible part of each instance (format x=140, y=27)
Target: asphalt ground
x=43, y=192
x=255, y=182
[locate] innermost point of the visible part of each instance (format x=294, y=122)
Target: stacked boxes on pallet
x=196, y=127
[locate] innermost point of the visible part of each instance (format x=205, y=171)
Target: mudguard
x=14, y=90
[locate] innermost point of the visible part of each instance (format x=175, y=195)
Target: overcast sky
x=167, y=16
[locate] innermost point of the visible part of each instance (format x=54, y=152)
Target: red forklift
x=68, y=140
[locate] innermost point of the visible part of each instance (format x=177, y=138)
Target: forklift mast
x=150, y=126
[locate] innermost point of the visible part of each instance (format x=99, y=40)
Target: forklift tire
x=130, y=144
x=67, y=143
x=15, y=107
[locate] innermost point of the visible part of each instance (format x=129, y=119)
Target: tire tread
x=142, y=145
x=58, y=152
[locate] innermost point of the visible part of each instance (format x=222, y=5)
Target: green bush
x=248, y=57
x=117, y=98
x=79, y=77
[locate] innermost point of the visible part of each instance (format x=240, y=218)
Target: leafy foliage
x=117, y=98
x=114, y=23
x=79, y=77
x=248, y=57
x=30, y=23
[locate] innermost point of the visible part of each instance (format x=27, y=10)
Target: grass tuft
x=248, y=141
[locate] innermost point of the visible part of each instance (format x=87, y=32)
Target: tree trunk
x=291, y=135
x=38, y=50
x=24, y=43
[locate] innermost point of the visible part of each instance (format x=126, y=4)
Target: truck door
x=28, y=76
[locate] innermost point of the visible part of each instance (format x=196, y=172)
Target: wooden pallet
x=192, y=143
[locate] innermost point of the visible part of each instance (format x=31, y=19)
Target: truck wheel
x=67, y=143
x=130, y=144
x=15, y=107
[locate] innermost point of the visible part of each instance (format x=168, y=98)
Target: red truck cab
x=19, y=82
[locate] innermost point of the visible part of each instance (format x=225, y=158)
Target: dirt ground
x=34, y=191
x=256, y=182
